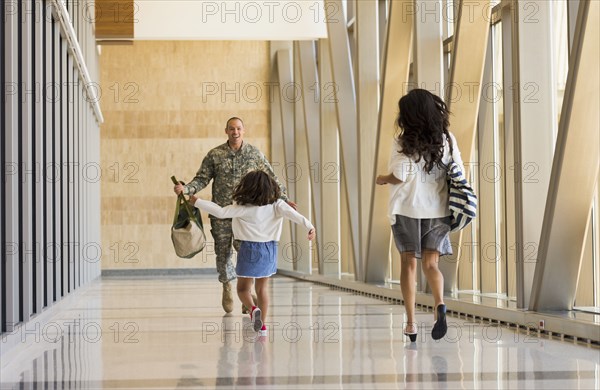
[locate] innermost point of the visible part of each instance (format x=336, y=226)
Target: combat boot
x=227, y=300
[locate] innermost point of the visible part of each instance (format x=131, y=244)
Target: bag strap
x=182, y=201
x=188, y=209
x=449, y=139
x=176, y=210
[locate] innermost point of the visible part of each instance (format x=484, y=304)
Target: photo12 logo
x=270, y=12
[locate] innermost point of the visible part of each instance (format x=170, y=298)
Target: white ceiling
x=229, y=20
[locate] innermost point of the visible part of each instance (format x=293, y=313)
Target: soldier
x=226, y=165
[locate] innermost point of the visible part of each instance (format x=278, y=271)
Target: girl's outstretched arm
x=216, y=210
x=288, y=212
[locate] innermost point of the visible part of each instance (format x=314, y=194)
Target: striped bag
x=462, y=199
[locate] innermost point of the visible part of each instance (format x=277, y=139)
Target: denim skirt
x=256, y=259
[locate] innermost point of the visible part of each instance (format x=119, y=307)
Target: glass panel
x=596, y=244
x=561, y=50
x=588, y=286
x=448, y=18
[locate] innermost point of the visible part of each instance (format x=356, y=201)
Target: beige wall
x=164, y=106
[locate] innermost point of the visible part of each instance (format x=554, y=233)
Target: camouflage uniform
x=226, y=167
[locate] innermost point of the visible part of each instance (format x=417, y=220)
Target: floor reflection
x=157, y=334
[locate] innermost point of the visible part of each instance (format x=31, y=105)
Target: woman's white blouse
x=421, y=194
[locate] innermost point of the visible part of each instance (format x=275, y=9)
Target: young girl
x=257, y=219
x=418, y=207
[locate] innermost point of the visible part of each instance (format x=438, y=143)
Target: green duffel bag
x=187, y=232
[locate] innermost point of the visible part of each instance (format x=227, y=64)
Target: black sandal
x=411, y=336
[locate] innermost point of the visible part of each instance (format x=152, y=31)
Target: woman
x=418, y=207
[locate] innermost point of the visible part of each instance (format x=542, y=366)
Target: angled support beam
x=535, y=124
x=468, y=59
x=396, y=66
x=329, y=238
x=312, y=118
x=574, y=172
x=367, y=89
x=286, y=103
x=345, y=97
x=464, y=95
x=278, y=155
x=301, y=248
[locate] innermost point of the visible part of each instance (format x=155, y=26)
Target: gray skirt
x=416, y=235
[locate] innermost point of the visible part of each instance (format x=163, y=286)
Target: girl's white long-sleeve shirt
x=256, y=223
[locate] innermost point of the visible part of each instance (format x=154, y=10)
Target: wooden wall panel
x=114, y=18
x=165, y=106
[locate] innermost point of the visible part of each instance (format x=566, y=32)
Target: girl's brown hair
x=256, y=188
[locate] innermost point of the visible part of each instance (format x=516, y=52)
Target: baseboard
x=158, y=272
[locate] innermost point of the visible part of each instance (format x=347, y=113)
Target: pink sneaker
x=255, y=315
x=263, y=331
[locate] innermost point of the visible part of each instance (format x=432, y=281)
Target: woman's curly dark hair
x=423, y=120
x=256, y=188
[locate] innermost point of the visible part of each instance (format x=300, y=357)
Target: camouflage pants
x=223, y=236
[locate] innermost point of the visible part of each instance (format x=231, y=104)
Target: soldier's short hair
x=233, y=118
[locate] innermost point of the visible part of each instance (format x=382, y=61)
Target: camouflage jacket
x=226, y=167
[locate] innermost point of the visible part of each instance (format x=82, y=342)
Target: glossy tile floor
x=167, y=333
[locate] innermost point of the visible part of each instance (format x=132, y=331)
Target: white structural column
x=299, y=250
x=329, y=237
x=311, y=96
x=94, y=222
x=574, y=172
x=428, y=58
x=277, y=138
x=396, y=66
x=367, y=93
x=463, y=96
x=509, y=142
x=536, y=118
x=345, y=100
x=287, y=90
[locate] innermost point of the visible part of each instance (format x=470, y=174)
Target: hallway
x=165, y=333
